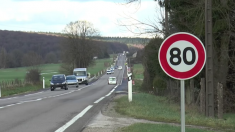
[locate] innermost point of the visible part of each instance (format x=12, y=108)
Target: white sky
x=53, y=15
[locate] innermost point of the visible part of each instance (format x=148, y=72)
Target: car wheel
x=65, y=87
x=52, y=89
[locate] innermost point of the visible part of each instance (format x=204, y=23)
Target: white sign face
x=182, y=56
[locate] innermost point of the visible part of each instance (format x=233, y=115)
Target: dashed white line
x=64, y=127
x=33, y=94
x=97, y=101
x=9, y=98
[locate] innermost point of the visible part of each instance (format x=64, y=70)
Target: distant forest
x=19, y=49
x=125, y=40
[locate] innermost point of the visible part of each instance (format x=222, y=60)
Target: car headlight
x=51, y=83
x=63, y=82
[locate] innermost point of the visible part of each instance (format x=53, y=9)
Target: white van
x=112, y=80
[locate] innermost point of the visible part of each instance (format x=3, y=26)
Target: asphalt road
x=59, y=110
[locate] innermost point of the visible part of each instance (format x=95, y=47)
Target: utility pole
x=166, y=19
x=209, y=58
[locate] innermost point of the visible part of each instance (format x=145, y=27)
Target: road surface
x=59, y=110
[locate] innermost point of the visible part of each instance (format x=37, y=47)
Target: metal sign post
x=182, y=56
x=182, y=106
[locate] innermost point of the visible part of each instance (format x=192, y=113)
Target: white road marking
x=64, y=127
x=110, y=92
x=21, y=102
x=29, y=101
x=9, y=105
x=33, y=94
x=9, y=98
x=97, y=101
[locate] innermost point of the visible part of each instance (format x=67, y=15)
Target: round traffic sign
x=182, y=56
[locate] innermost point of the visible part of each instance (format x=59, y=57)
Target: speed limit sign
x=182, y=56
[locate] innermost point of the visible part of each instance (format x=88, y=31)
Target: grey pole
x=209, y=60
x=182, y=106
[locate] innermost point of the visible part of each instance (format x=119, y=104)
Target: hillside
x=16, y=47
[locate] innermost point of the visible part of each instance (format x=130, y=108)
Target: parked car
x=112, y=80
x=108, y=71
x=58, y=81
x=72, y=80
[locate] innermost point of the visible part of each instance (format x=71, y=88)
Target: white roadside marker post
x=43, y=83
x=130, y=87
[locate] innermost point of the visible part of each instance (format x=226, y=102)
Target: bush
x=159, y=85
x=33, y=75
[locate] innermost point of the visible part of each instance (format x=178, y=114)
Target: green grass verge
x=155, y=108
x=138, y=71
x=17, y=90
x=99, y=65
x=144, y=127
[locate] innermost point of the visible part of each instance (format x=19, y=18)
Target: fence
x=14, y=83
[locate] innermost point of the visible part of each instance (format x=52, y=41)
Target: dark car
x=58, y=81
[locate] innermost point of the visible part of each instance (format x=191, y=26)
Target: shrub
x=159, y=85
x=33, y=75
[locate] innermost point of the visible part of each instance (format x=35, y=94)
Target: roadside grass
x=99, y=65
x=17, y=90
x=138, y=71
x=146, y=127
x=156, y=108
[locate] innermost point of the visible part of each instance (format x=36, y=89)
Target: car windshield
x=79, y=73
x=70, y=78
x=58, y=78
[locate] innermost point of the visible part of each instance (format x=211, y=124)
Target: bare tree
x=78, y=49
x=152, y=27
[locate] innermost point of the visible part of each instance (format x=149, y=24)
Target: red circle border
x=182, y=36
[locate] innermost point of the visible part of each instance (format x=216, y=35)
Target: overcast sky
x=53, y=15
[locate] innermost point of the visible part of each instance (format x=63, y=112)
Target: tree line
x=19, y=49
x=189, y=16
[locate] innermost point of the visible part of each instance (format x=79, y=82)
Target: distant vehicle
x=112, y=80
x=112, y=69
x=72, y=80
x=108, y=71
x=116, y=67
x=81, y=75
x=120, y=67
x=58, y=81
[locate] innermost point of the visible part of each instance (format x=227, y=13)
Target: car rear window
x=70, y=78
x=112, y=79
